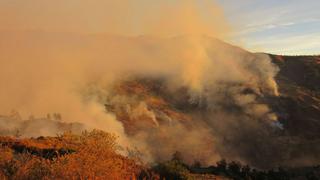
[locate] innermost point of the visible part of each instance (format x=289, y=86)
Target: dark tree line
x=177, y=169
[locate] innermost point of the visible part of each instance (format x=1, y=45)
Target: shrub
x=94, y=156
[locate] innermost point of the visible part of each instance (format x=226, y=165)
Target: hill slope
x=197, y=95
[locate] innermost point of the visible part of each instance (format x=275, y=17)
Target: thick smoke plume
x=60, y=62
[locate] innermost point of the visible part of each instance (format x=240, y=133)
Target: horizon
x=281, y=32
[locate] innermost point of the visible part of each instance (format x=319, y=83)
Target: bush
x=173, y=169
x=94, y=157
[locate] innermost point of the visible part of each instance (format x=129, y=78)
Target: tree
x=222, y=166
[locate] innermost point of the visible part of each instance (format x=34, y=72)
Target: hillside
x=299, y=104
x=199, y=97
x=150, y=107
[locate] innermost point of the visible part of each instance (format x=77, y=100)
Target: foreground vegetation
x=176, y=169
x=95, y=155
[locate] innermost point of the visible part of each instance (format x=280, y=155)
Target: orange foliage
x=95, y=157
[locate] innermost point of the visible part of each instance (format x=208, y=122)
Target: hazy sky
x=277, y=26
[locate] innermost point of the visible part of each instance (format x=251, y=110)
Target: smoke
x=67, y=57
x=194, y=107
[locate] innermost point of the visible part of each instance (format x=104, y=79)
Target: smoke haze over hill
x=75, y=74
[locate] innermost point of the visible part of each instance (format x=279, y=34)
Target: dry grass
x=94, y=157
